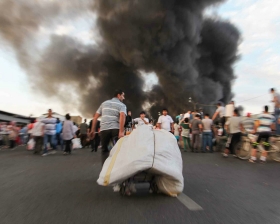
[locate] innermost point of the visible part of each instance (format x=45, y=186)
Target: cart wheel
x=154, y=187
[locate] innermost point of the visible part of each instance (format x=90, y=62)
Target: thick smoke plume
x=191, y=56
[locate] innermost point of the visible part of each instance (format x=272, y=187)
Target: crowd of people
x=195, y=131
x=47, y=134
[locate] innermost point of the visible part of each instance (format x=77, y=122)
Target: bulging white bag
x=155, y=151
x=31, y=144
x=76, y=143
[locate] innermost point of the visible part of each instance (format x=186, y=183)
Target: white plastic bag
x=31, y=144
x=76, y=143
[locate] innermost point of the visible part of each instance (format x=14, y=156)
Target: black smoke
x=192, y=56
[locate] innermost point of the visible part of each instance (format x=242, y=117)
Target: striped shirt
x=110, y=111
x=248, y=124
x=50, y=125
x=265, y=122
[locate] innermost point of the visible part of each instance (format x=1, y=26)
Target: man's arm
x=257, y=124
x=200, y=127
x=93, y=126
x=159, y=122
x=145, y=121
x=241, y=127
x=172, y=127
x=214, y=116
x=121, y=122
x=43, y=129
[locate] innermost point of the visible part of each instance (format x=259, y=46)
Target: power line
x=253, y=98
x=211, y=105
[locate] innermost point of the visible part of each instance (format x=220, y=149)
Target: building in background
x=77, y=119
x=19, y=119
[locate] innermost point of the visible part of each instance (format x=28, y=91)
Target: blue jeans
x=51, y=140
x=207, y=141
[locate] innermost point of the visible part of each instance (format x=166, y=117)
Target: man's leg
x=235, y=140
x=40, y=143
x=204, y=140
x=253, y=158
x=68, y=146
x=61, y=142
x=185, y=143
x=195, y=142
x=36, y=139
x=83, y=140
x=105, y=139
x=266, y=147
x=226, y=152
x=45, y=144
x=189, y=143
x=92, y=142
x=52, y=141
x=210, y=142
x=96, y=141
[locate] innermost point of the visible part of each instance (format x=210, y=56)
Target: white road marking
x=189, y=203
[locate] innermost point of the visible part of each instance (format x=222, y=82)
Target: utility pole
x=194, y=103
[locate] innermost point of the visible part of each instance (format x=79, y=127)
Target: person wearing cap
x=248, y=124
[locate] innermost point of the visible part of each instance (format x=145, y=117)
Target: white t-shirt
x=176, y=129
x=187, y=115
x=75, y=128
x=37, y=129
x=140, y=121
x=165, y=122
x=221, y=111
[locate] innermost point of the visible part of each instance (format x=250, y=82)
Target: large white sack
x=146, y=149
x=168, y=163
x=132, y=154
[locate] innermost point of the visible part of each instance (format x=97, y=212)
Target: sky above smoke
x=191, y=56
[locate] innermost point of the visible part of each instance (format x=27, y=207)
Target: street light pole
x=194, y=103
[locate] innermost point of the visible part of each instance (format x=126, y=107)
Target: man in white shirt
x=38, y=135
x=187, y=115
x=141, y=120
x=221, y=112
x=165, y=121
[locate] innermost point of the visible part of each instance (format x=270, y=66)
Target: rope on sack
x=112, y=163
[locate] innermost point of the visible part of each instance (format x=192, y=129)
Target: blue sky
x=257, y=71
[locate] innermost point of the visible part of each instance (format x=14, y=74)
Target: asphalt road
x=63, y=189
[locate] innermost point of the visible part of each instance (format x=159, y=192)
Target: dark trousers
x=68, y=145
x=106, y=136
x=233, y=140
x=58, y=139
x=12, y=143
x=223, y=121
x=83, y=139
x=195, y=140
x=95, y=142
x=38, y=144
x=265, y=136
